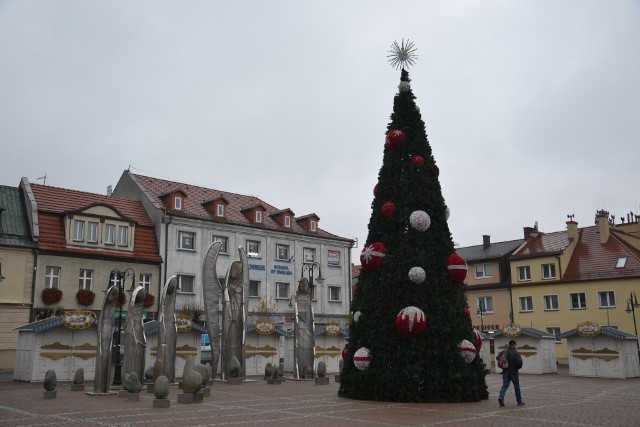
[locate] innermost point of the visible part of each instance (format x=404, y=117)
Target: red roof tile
x=543, y=244
x=594, y=260
x=195, y=195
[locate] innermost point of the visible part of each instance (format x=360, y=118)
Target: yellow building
x=568, y=277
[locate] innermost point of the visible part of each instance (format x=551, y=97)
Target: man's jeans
x=506, y=379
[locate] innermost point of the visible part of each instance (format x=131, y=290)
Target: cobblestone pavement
x=551, y=400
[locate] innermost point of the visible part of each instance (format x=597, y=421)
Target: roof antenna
x=43, y=178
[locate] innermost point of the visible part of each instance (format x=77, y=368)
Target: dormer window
x=313, y=225
x=123, y=235
x=78, y=230
x=220, y=210
x=622, y=262
x=109, y=234
x=177, y=203
x=287, y=221
x=258, y=216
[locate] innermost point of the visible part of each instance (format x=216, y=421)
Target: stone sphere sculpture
x=322, y=369
x=204, y=373
x=132, y=383
x=50, y=380
x=161, y=387
x=78, y=377
x=148, y=373
x=189, y=365
x=234, y=371
x=267, y=370
x=192, y=382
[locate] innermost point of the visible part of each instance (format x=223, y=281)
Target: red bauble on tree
x=467, y=312
x=344, y=353
x=457, y=268
x=388, y=209
x=418, y=161
x=394, y=138
x=437, y=169
x=372, y=256
x=375, y=190
x=411, y=321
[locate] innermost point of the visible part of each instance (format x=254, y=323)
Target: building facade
x=280, y=246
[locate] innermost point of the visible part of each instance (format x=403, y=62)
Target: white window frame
x=256, y=283
x=145, y=282
x=525, y=304
x=524, y=277
x=92, y=231
x=487, y=303
x=224, y=249
x=181, y=245
x=78, y=230
x=287, y=221
x=485, y=270
x=549, y=301
x=313, y=225
x=193, y=283
x=610, y=295
x=622, y=262
x=548, y=271
x=309, y=254
x=331, y=296
x=552, y=330
x=249, y=243
x=280, y=287
x=286, y=248
x=109, y=234
x=52, y=277
x=85, y=278
x=219, y=209
x=582, y=301
x=123, y=235
x=258, y=216
x=177, y=203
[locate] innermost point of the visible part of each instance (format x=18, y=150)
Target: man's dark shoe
x=501, y=402
x=520, y=403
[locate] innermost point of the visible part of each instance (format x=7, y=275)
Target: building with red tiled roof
x=584, y=274
x=80, y=238
x=281, y=247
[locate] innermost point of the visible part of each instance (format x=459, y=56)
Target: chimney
x=572, y=230
x=602, y=219
x=109, y=191
x=531, y=231
x=486, y=241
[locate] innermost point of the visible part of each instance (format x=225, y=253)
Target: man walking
x=510, y=373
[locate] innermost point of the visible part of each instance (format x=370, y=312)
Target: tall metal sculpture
x=135, y=341
x=168, y=330
x=233, y=292
x=105, y=340
x=304, y=343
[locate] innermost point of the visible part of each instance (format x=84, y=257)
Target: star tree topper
x=402, y=55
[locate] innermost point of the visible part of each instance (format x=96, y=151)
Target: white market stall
x=537, y=348
x=596, y=351
x=63, y=343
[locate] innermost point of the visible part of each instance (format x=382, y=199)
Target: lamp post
x=117, y=278
x=632, y=304
x=479, y=313
x=310, y=268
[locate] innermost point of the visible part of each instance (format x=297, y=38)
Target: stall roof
x=530, y=332
x=606, y=331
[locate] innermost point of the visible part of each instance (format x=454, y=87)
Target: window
x=551, y=302
x=287, y=221
x=253, y=248
x=52, y=277
x=486, y=303
x=555, y=331
x=185, y=283
x=334, y=293
x=78, y=230
x=186, y=240
x=222, y=239
x=220, y=210
x=109, y=234
x=254, y=288
x=123, y=235
x=309, y=254
x=282, y=290
x=622, y=262
x=607, y=299
x=524, y=273
x=578, y=300
x=145, y=282
x=313, y=226
x=526, y=303
x=92, y=232
x=548, y=271
x=282, y=252
x=177, y=203
x=483, y=270
x=85, y=279
x=258, y=216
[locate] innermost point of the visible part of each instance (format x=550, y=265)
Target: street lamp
x=632, y=304
x=310, y=267
x=479, y=313
x=117, y=278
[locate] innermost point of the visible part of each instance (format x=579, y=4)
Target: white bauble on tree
x=356, y=316
x=361, y=358
x=467, y=351
x=417, y=275
x=420, y=220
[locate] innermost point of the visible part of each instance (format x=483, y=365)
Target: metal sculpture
x=105, y=340
x=168, y=336
x=135, y=341
x=304, y=338
x=233, y=292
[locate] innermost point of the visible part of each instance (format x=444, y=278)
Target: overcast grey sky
x=531, y=107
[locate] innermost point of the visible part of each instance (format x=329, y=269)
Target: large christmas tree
x=411, y=338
